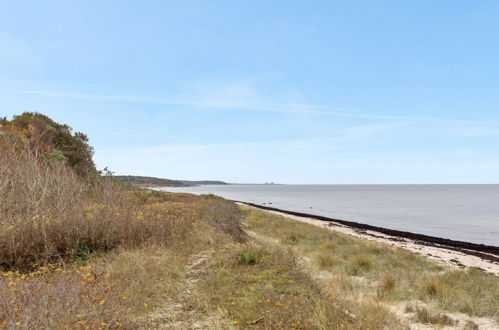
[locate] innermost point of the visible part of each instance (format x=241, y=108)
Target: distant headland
x=147, y=181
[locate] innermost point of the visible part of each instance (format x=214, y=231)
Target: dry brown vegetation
x=87, y=251
x=50, y=214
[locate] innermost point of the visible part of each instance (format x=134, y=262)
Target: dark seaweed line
x=487, y=252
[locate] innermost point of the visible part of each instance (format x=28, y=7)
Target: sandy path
x=179, y=313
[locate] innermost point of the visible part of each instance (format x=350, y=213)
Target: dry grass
x=384, y=273
x=113, y=290
x=224, y=215
x=55, y=299
x=91, y=253
x=472, y=292
x=422, y=315
x=268, y=291
x=387, y=287
x=109, y=293
x=325, y=260
x=48, y=214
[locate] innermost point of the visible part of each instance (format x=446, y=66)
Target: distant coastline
x=434, y=210
x=153, y=182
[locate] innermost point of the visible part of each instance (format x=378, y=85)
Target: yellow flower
x=102, y=302
x=235, y=322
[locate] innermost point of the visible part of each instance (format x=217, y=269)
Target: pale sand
x=442, y=255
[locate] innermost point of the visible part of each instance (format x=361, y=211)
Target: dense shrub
x=48, y=212
x=51, y=140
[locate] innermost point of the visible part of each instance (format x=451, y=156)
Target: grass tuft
x=249, y=256
x=432, y=287
x=387, y=286
x=427, y=317
x=325, y=260
x=360, y=264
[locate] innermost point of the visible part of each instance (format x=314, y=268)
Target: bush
x=49, y=213
x=51, y=140
x=55, y=206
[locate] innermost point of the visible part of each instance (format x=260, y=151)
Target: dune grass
x=261, y=286
x=381, y=272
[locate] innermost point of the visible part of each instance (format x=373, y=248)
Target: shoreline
x=457, y=254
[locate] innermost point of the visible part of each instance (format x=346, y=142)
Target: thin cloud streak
x=243, y=105
x=351, y=134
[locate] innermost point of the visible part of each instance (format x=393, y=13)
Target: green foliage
x=82, y=255
x=52, y=140
x=57, y=154
x=249, y=256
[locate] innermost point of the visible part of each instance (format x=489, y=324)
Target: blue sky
x=255, y=91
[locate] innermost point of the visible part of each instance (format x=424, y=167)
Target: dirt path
x=180, y=313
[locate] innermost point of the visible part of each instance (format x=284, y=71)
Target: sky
x=338, y=92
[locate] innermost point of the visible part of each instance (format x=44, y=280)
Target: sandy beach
x=450, y=255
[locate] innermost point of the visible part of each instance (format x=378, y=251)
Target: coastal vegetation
x=361, y=270
x=80, y=249
x=50, y=141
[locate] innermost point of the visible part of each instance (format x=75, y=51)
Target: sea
x=467, y=213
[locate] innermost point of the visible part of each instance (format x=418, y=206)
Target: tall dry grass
x=48, y=213
x=55, y=226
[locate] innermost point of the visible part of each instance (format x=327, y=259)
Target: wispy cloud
x=14, y=52
x=349, y=134
x=242, y=104
x=477, y=131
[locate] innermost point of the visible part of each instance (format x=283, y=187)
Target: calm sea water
x=460, y=212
